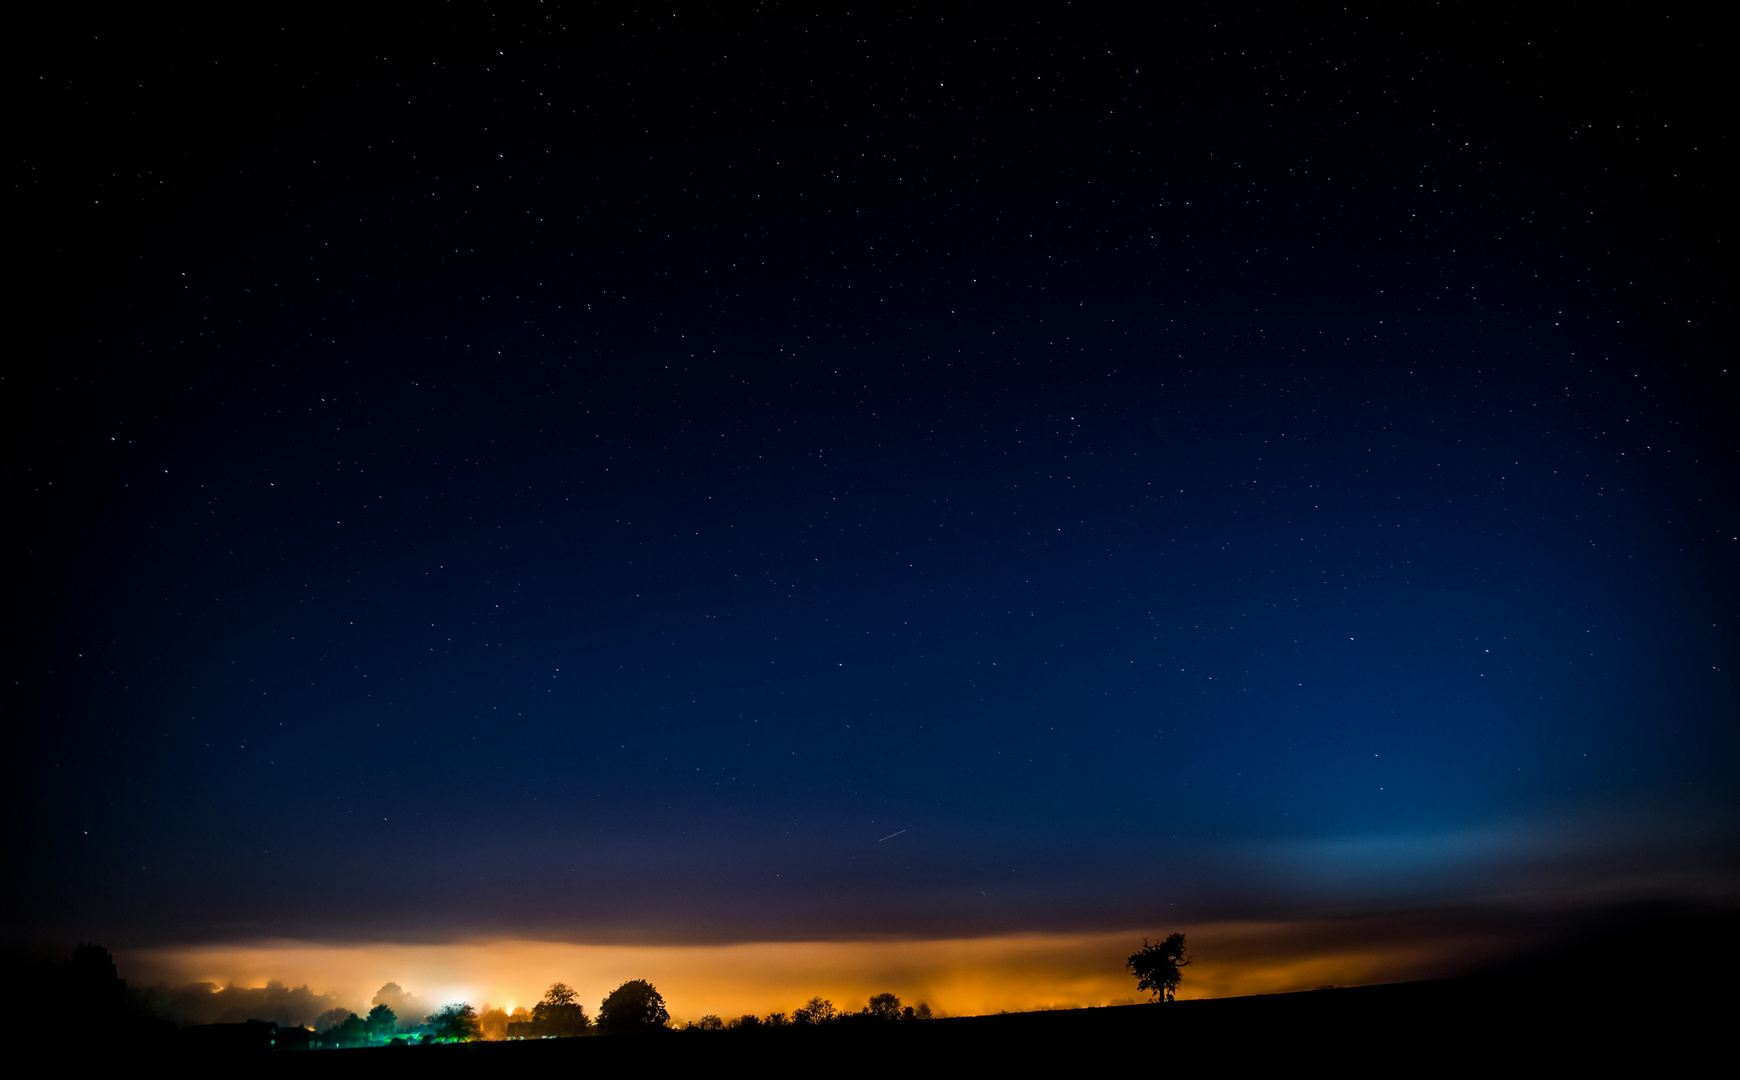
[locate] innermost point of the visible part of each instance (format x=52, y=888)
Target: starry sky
x=615, y=475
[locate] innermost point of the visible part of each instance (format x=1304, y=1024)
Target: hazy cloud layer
x=208, y=1003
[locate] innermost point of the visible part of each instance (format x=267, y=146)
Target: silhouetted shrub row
x=816, y=1012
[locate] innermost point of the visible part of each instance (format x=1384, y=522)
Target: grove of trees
x=346, y=1028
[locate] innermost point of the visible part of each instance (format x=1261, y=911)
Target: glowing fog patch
x=955, y=976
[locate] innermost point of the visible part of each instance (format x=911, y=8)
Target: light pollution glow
x=958, y=977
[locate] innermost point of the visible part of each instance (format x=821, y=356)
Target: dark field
x=1493, y=1024
x=1647, y=994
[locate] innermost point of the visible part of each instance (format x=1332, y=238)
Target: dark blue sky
x=987, y=522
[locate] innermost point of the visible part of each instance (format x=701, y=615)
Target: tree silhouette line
x=635, y=1007
x=103, y=1000
x=817, y=1012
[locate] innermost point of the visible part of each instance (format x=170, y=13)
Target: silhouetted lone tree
x=560, y=1014
x=456, y=1023
x=1156, y=966
x=633, y=1008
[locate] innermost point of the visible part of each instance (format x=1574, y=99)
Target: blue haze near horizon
x=638, y=607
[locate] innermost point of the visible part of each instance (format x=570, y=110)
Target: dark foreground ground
x=1532, y=1022
x=1438, y=1028
x=1651, y=999
x=1435, y=1028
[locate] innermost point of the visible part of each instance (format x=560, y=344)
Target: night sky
x=729, y=476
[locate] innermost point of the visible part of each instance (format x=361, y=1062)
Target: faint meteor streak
x=891, y=836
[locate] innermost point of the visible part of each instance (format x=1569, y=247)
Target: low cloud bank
x=195, y=1003
x=208, y=1003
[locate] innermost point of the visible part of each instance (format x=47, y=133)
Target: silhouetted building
x=250, y=1037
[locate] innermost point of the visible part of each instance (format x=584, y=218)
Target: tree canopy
x=560, y=993
x=382, y=1022
x=814, y=1011
x=456, y=1023
x=633, y=1008
x=1156, y=966
x=883, y=1007
x=346, y=1030
x=560, y=1014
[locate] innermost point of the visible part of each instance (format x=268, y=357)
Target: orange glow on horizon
x=957, y=977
